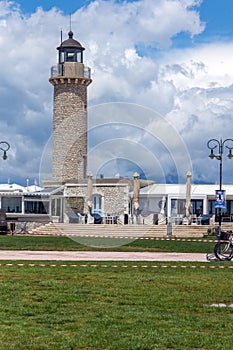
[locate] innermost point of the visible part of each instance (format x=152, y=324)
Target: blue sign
x=220, y=201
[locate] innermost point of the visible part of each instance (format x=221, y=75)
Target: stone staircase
x=66, y=229
x=99, y=230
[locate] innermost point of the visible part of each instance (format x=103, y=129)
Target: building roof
x=33, y=188
x=108, y=181
x=15, y=188
x=180, y=189
x=11, y=188
x=71, y=43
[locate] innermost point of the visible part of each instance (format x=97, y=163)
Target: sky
x=162, y=86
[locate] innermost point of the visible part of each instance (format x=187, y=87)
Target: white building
x=33, y=203
x=202, y=200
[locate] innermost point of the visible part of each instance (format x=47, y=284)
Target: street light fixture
x=4, y=146
x=219, y=144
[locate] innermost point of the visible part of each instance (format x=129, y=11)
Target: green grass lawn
x=78, y=308
x=136, y=309
x=106, y=244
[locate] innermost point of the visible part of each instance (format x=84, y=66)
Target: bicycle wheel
x=223, y=251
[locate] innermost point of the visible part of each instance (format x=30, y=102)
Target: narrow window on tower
x=84, y=166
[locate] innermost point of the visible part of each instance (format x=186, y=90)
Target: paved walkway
x=98, y=256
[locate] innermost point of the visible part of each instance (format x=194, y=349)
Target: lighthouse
x=72, y=191
x=70, y=79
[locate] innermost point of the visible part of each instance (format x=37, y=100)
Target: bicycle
x=223, y=250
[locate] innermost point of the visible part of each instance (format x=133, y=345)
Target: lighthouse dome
x=71, y=43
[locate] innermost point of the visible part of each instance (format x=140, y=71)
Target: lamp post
x=219, y=146
x=4, y=147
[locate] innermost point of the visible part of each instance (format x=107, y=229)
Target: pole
x=219, y=145
x=220, y=188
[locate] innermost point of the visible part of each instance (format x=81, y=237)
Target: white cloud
x=130, y=58
x=203, y=66
x=160, y=21
x=190, y=87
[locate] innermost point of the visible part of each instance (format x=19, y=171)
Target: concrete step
x=65, y=229
x=191, y=231
x=99, y=230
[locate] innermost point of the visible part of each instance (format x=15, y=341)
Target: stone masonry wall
x=115, y=198
x=69, y=130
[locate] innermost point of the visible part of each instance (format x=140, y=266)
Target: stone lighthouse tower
x=70, y=79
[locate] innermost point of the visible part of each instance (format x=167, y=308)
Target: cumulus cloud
x=203, y=101
x=129, y=49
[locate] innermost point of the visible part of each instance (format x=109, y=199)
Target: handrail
x=58, y=71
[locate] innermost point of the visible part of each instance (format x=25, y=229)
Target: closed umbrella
x=136, y=190
x=89, y=192
x=188, y=195
x=162, y=216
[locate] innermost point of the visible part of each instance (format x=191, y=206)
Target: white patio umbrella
x=162, y=216
x=89, y=192
x=188, y=195
x=136, y=190
x=162, y=210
